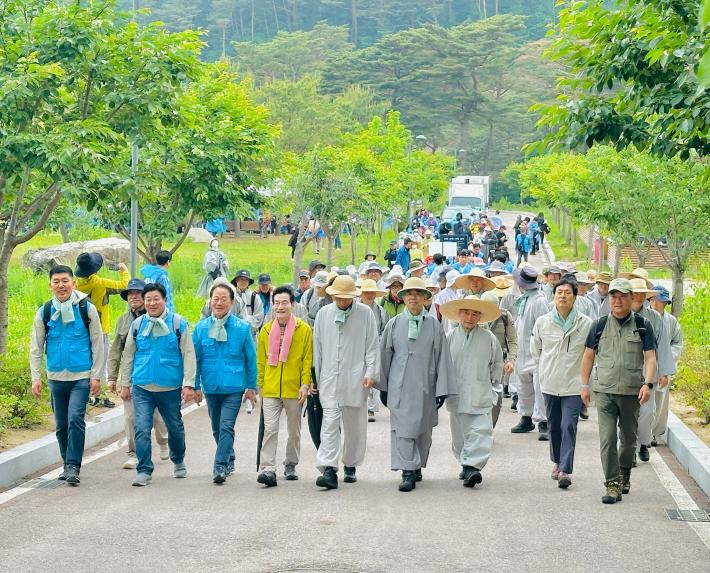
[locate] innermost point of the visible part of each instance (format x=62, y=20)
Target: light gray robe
x=602, y=303
x=414, y=373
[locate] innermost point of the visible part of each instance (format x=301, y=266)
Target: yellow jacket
x=98, y=289
x=284, y=380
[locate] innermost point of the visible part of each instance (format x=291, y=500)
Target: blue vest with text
x=158, y=360
x=68, y=345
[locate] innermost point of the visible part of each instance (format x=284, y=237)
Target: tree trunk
x=602, y=241
x=301, y=244
x=5, y=255
x=353, y=243
x=590, y=243
x=465, y=135
x=678, y=294
x=367, y=234
x=575, y=250
x=380, y=232
x=64, y=232
x=329, y=249
x=617, y=261
x=353, y=22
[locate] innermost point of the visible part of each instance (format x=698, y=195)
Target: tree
x=201, y=166
x=76, y=85
x=632, y=78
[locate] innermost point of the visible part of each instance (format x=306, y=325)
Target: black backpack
x=47, y=316
x=600, y=325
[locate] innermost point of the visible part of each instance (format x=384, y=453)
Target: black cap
x=245, y=274
x=264, y=278
x=314, y=264
x=133, y=284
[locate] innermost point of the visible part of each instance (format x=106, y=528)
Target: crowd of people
x=412, y=336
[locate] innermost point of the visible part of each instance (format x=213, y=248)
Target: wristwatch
x=649, y=384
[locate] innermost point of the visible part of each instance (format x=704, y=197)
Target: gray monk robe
x=414, y=373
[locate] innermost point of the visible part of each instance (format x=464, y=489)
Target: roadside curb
x=24, y=460
x=690, y=451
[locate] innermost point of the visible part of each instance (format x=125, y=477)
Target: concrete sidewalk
x=517, y=520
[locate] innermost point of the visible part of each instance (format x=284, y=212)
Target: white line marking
x=53, y=474
x=680, y=496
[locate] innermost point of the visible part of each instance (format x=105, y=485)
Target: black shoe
x=644, y=455
x=542, y=428
x=350, y=476
x=409, y=481
x=633, y=462
x=654, y=443
x=267, y=478
x=95, y=402
x=525, y=425
x=72, y=476
x=461, y=474
x=418, y=475
x=625, y=483
x=63, y=476
x=329, y=479
x=106, y=403
x=220, y=476
x=514, y=403
x=506, y=392
x=471, y=476
x=584, y=413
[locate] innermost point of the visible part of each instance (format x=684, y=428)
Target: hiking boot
x=564, y=481
x=418, y=475
x=644, y=454
x=267, y=478
x=514, y=403
x=329, y=478
x=180, y=470
x=63, y=476
x=290, y=472
x=164, y=452
x=625, y=483
x=219, y=476
x=72, y=475
x=142, y=479
x=461, y=474
x=370, y=416
x=555, y=474
x=131, y=462
x=350, y=476
x=613, y=491
x=542, y=428
x=471, y=476
x=584, y=413
x=525, y=425
x=409, y=480
x=106, y=403
x=230, y=468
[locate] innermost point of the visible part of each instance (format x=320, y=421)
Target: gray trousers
x=353, y=422
x=647, y=419
x=409, y=453
x=530, y=400
x=471, y=438
x=661, y=425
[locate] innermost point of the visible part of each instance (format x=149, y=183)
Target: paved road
x=517, y=520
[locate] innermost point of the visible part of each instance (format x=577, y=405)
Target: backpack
x=251, y=302
x=47, y=316
x=600, y=325
x=176, y=327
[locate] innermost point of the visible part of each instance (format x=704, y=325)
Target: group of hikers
x=412, y=337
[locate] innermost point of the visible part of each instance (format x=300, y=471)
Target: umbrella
x=260, y=438
x=314, y=410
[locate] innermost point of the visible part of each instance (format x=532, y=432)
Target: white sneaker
x=164, y=452
x=250, y=406
x=131, y=462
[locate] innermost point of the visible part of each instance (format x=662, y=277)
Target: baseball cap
x=314, y=264
x=304, y=274
x=264, y=278
x=662, y=294
x=621, y=285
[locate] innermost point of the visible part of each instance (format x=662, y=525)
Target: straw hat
x=414, y=283
x=582, y=278
x=368, y=285
x=503, y=285
x=489, y=310
x=605, y=278
x=639, y=286
x=638, y=273
x=343, y=287
x=415, y=265
x=463, y=283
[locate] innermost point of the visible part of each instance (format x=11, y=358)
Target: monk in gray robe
x=415, y=380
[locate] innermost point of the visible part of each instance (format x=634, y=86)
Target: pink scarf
x=278, y=349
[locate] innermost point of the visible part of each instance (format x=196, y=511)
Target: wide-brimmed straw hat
x=638, y=273
x=415, y=265
x=489, y=310
x=503, y=286
x=583, y=279
x=343, y=287
x=414, y=283
x=463, y=283
x=604, y=278
x=639, y=286
x=368, y=285
x=526, y=278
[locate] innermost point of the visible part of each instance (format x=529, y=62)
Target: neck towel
x=565, y=325
x=217, y=329
x=415, y=323
x=279, y=346
x=65, y=309
x=522, y=302
x=342, y=315
x=156, y=325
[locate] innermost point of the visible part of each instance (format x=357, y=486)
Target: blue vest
x=68, y=345
x=222, y=367
x=158, y=360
